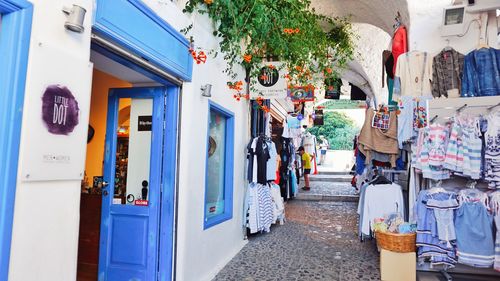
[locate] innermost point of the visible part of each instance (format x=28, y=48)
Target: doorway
x=125, y=177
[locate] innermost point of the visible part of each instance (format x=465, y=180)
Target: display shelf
x=460, y=269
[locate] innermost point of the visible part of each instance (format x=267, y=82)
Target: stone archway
x=373, y=22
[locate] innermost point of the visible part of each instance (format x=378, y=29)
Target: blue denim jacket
x=481, y=76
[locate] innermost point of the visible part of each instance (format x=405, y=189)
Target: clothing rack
x=444, y=109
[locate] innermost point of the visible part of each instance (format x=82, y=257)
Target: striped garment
x=492, y=151
x=495, y=209
x=252, y=218
x=475, y=245
x=438, y=139
x=472, y=151
x=432, y=155
x=428, y=242
x=454, y=159
x=266, y=207
x=492, y=173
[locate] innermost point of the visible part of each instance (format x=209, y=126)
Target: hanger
x=471, y=193
x=437, y=187
x=461, y=108
x=472, y=184
x=398, y=22
x=492, y=107
x=380, y=179
x=448, y=47
x=482, y=44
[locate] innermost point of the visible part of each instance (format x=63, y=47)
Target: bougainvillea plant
x=313, y=47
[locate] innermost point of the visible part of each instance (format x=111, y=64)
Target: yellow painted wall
x=101, y=83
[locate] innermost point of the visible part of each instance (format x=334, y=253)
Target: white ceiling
x=120, y=71
x=380, y=13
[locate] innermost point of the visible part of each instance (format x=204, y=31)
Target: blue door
x=132, y=185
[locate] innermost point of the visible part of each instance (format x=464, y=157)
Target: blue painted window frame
x=228, y=167
x=16, y=33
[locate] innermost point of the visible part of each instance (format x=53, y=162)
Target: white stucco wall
x=202, y=253
x=426, y=18
x=46, y=214
x=46, y=219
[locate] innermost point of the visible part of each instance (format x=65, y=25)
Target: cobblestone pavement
x=318, y=242
x=330, y=188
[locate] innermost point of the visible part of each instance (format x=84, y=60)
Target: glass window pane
x=216, y=165
x=133, y=151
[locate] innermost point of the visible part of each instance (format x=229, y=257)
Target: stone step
x=331, y=178
x=330, y=198
x=333, y=173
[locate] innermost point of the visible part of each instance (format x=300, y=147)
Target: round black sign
x=268, y=76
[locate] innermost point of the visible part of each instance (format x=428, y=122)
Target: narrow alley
x=217, y=140
x=318, y=241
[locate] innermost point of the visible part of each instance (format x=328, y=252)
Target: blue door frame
x=150, y=37
x=14, y=47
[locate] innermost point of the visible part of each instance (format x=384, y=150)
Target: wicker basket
x=395, y=242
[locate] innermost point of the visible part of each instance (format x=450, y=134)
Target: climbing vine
x=313, y=47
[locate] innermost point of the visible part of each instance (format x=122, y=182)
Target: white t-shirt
x=380, y=200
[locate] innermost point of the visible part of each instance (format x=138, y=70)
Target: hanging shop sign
x=270, y=82
x=318, y=117
x=56, y=110
x=332, y=94
x=301, y=94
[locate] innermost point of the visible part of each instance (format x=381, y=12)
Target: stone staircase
x=329, y=186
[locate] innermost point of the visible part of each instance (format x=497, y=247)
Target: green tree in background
x=338, y=128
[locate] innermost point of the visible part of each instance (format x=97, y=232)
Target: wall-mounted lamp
x=206, y=90
x=76, y=16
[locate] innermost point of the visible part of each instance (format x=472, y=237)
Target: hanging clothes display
x=455, y=228
x=263, y=201
x=264, y=207
x=309, y=143
x=492, y=151
x=447, y=71
x=291, y=127
x=475, y=245
x=376, y=140
x=495, y=209
x=457, y=148
x=481, y=74
x=288, y=181
x=439, y=252
x=376, y=201
x=413, y=75
x=399, y=44
x=388, y=69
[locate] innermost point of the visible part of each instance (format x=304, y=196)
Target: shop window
x=219, y=166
